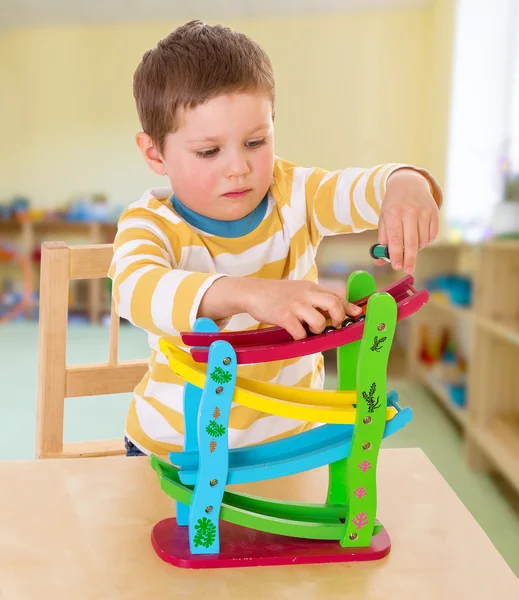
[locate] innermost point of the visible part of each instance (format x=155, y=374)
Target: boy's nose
x=238, y=167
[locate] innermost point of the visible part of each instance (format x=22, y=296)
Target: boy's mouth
x=237, y=193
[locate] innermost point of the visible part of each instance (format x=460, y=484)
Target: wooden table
x=78, y=529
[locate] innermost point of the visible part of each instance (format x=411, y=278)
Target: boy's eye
x=214, y=151
x=255, y=143
x=207, y=153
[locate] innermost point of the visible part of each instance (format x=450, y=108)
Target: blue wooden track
x=306, y=451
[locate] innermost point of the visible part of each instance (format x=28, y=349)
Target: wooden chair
x=56, y=381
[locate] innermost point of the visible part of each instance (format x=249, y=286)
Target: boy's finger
x=349, y=309
x=352, y=309
x=395, y=242
x=315, y=320
x=382, y=240
x=331, y=304
x=410, y=243
x=382, y=236
x=433, y=227
x=295, y=328
x=424, y=226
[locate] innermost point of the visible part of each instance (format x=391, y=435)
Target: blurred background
x=432, y=83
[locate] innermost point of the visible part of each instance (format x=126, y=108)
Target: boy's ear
x=150, y=152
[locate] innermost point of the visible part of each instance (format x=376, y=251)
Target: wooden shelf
x=75, y=227
x=501, y=331
x=500, y=441
x=440, y=392
x=496, y=244
x=29, y=234
x=511, y=245
x=11, y=225
x=446, y=245
x=491, y=353
x=448, y=307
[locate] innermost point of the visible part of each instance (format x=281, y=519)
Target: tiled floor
x=103, y=417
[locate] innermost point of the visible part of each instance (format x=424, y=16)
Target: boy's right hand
x=290, y=304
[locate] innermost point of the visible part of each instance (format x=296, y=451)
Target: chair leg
x=52, y=340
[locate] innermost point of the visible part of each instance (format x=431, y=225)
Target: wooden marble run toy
x=215, y=527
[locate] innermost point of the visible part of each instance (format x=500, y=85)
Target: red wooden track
x=275, y=343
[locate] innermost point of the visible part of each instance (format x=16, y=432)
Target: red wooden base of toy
x=242, y=547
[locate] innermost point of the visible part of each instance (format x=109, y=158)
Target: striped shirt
x=162, y=266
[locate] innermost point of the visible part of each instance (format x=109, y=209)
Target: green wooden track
x=310, y=521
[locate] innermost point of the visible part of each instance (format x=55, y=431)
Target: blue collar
x=225, y=229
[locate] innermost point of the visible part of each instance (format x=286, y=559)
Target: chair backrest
x=60, y=264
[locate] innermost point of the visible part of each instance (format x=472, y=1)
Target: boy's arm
x=149, y=289
x=401, y=200
x=343, y=201
x=153, y=293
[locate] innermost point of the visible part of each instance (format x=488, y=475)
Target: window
x=484, y=119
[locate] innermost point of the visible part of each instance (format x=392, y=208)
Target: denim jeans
x=131, y=448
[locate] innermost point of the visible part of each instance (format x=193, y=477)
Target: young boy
x=235, y=237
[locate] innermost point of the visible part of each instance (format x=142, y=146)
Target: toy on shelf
x=92, y=209
x=18, y=209
x=454, y=289
x=12, y=302
x=444, y=362
x=218, y=528
x=431, y=346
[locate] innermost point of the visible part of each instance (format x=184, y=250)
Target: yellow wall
x=353, y=89
x=441, y=23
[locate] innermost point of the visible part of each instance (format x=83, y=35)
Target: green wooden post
x=361, y=472
x=360, y=284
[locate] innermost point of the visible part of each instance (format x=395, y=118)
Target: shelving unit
x=440, y=391
x=28, y=235
x=490, y=421
x=456, y=311
x=500, y=442
x=506, y=333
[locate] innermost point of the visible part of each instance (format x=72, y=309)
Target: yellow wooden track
x=305, y=404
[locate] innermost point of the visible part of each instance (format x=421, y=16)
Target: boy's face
x=220, y=160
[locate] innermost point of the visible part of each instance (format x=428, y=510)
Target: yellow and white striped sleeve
x=343, y=201
x=148, y=288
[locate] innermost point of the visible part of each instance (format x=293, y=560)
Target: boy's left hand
x=409, y=218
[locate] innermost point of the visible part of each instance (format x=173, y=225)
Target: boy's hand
x=289, y=304
x=409, y=218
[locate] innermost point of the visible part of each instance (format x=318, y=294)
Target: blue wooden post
x=213, y=438
x=192, y=397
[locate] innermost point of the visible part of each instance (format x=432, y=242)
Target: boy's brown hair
x=193, y=64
